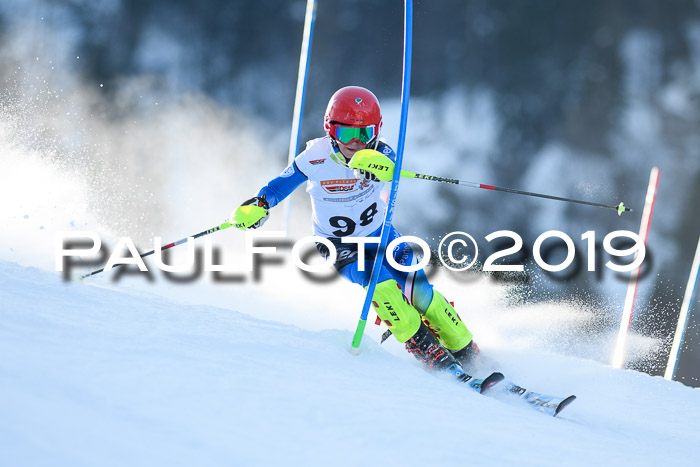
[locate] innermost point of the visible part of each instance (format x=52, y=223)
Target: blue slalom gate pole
x=405, y=92
x=309, y=21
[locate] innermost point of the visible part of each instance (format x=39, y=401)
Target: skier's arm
x=282, y=186
x=254, y=212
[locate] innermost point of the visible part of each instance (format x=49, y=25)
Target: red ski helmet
x=355, y=107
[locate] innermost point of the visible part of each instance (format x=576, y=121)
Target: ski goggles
x=346, y=134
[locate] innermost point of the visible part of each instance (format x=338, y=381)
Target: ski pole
x=223, y=226
x=383, y=168
x=620, y=208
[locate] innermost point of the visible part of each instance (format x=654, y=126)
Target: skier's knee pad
x=442, y=318
x=394, y=310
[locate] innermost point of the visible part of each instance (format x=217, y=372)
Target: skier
x=347, y=203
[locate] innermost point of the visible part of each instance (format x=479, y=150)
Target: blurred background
x=150, y=118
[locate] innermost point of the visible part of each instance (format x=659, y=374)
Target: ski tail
x=562, y=405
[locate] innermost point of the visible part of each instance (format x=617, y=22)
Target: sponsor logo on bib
x=344, y=185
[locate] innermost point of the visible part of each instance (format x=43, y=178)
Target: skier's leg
x=451, y=330
x=441, y=318
x=437, y=313
x=403, y=319
x=394, y=310
x=444, y=320
x=388, y=301
x=406, y=326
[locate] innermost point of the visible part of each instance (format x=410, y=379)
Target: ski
x=482, y=385
x=487, y=383
x=551, y=405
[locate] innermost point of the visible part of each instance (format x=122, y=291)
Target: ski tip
x=563, y=404
x=490, y=381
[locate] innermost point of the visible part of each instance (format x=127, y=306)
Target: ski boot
x=426, y=348
x=468, y=356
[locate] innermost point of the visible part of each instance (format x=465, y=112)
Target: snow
x=96, y=374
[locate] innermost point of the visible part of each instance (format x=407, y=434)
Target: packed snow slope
x=92, y=375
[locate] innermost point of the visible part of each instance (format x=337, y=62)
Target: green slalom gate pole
x=223, y=226
x=386, y=228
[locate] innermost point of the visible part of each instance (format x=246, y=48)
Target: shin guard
x=442, y=318
x=391, y=306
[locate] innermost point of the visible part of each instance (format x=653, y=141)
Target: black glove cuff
x=257, y=201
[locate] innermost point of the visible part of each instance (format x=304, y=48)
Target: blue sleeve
x=282, y=186
x=386, y=150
